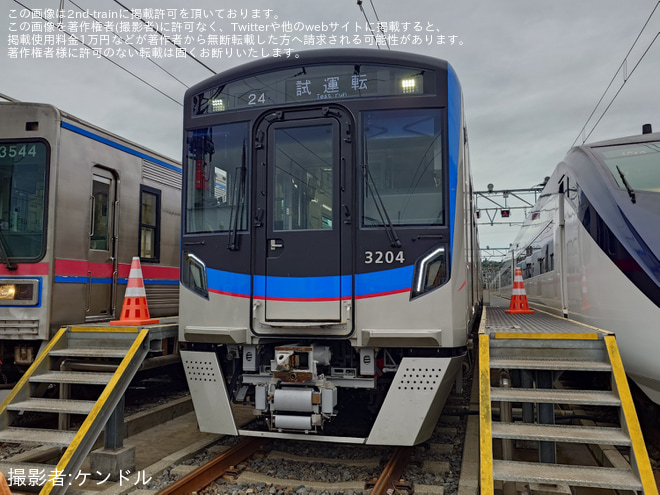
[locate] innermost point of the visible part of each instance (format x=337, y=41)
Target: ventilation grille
x=200, y=370
x=158, y=173
x=24, y=327
x=419, y=379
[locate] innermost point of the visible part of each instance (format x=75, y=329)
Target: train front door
x=305, y=241
x=102, y=268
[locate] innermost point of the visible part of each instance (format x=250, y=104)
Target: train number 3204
x=379, y=257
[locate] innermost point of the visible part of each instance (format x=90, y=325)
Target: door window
x=303, y=192
x=149, y=224
x=100, y=214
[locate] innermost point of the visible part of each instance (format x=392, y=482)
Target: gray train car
x=76, y=204
x=590, y=248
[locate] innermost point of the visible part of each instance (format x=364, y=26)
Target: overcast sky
x=531, y=71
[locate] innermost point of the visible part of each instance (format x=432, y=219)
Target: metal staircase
x=525, y=451
x=114, y=355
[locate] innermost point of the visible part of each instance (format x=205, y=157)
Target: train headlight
x=218, y=105
x=7, y=291
x=193, y=275
x=412, y=84
x=19, y=292
x=430, y=271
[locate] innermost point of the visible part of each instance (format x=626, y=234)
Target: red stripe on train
x=26, y=269
x=78, y=268
x=81, y=268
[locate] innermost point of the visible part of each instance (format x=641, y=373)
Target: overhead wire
x=100, y=54
x=168, y=39
x=623, y=63
x=619, y=91
x=359, y=3
x=380, y=25
x=134, y=48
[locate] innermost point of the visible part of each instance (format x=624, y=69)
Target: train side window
x=100, y=214
x=149, y=249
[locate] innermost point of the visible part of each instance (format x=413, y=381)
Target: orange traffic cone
x=4, y=487
x=519, y=304
x=135, y=310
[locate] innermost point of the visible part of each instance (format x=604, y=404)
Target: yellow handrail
x=640, y=454
x=485, y=418
x=96, y=410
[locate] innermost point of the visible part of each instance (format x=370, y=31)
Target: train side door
x=305, y=242
x=101, y=268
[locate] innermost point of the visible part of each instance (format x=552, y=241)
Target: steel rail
x=204, y=475
x=388, y=480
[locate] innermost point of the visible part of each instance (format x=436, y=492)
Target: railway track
x=254, y=465
x=302, y=467
x=250, y=467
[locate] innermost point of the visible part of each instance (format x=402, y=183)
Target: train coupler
x=297, y=408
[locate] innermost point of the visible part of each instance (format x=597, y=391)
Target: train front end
x=327, y=277
x=613, y=279
x=590, y=247
x=27, y=146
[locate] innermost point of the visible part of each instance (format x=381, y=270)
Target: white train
x=590, y=247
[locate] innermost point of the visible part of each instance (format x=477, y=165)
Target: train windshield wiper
x=380, y=207
x=631, y=191
x=238, y=202
x=4, y=257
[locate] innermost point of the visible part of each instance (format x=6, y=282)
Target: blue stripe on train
x=116, y=145
x=312, y=288
x=453, y=136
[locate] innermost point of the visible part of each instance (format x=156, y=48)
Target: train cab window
x=633, y=166
x=149, y=224
x=23, y=187
x=403, y=161
x=99, y=235
x=217, y=178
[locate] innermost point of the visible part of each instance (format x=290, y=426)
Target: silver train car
x=590, y=248
x=76, y=204
x=330, y=270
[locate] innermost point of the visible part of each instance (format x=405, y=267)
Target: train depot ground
x=176, y=436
